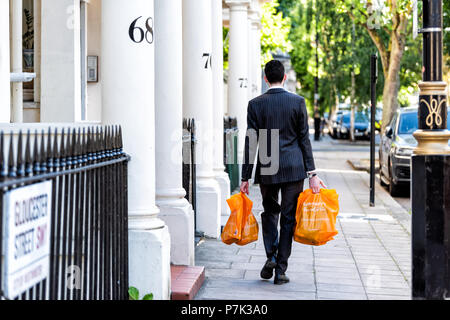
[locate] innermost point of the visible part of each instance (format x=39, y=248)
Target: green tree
x=274, y=31
x=340, y=52
x=343, y=50
x=388, y=24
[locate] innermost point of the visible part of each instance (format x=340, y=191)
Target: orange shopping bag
x=316, y=217
x=241, y=227
x=249, y=228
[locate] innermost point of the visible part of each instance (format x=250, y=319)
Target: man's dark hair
x=274, y=71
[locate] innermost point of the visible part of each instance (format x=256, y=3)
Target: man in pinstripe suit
x=277, y=122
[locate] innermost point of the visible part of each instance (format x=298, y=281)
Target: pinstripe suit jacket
x=285, y=111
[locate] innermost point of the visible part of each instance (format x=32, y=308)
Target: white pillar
x=175, y=210
x=60, y=61
x=257, y=59
x=250, y=56
x=16, y=59
x=218, y=109
x=238, y=67
x=5, y=87
x=128, y=99
x=255, y=49
x=37, y=49
x=198, y=104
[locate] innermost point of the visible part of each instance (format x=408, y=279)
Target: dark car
x=396, y=146
x=378, y=117
x=361, y=126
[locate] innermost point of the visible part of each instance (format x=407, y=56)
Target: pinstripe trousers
x=279, y=245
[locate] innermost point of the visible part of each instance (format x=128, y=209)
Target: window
x=408, y=123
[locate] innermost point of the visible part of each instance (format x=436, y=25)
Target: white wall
x=5, y=90
x=60, y=61
x=94, y=48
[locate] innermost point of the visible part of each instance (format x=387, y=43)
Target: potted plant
x=28, y=41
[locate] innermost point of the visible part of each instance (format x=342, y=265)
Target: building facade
x=145, y=65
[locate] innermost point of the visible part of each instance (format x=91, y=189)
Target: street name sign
x=26, y=237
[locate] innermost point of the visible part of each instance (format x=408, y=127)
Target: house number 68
x=141, y=34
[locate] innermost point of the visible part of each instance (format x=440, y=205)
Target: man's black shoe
x=280, y=279
x=267, y=270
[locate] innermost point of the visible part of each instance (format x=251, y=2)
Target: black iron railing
x=189, y=166
x=230, y=151
x=89, y=227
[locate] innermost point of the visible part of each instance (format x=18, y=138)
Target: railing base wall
x=179, y=217
x=149, y=262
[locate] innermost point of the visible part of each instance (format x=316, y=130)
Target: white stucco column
x=238, y=67
x=175, y=210
x=218, y=106
x=16, y=59
x=198, y=104
x=254, y=61
x=37, y=49
x=250, y=53
x=128, y=99
x=5, y=87
x=60, y=61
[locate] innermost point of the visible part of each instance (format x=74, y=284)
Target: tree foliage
x=385, y=29
x=275, y=31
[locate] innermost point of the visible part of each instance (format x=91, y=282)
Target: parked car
x=361, y=126
x=378, y=117
x=333, y=122
x=396, y=146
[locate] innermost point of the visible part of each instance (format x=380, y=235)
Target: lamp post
x=430, y=168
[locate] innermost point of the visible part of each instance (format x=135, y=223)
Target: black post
x=373, y=99
x=430, y=169
x=317, y=119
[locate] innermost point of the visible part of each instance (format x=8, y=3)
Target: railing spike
x=116, y=141
x=20, y=164
x=56, y=151
x=84, y=147
x=108, y=141
x=3, y=172
x=49, y=144
x=113, y=138
x=36, y=155
x=89, y=144
x=95, y=143
x=28, y=160
x=74, y=149
x=43, y=153
x=120, y=138
x=69, y=148
x=11, y=162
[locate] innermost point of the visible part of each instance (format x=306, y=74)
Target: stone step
x=186, y=281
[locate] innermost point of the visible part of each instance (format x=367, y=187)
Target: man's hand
x=244, y=187
x=315, y=183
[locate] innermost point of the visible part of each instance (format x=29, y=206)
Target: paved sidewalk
x=370, y=258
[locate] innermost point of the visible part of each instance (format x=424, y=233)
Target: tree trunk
x=392, y=81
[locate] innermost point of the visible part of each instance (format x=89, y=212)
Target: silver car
x=396, y=147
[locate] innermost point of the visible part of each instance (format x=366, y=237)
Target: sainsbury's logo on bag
x=316, y=217
x=314, y=207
